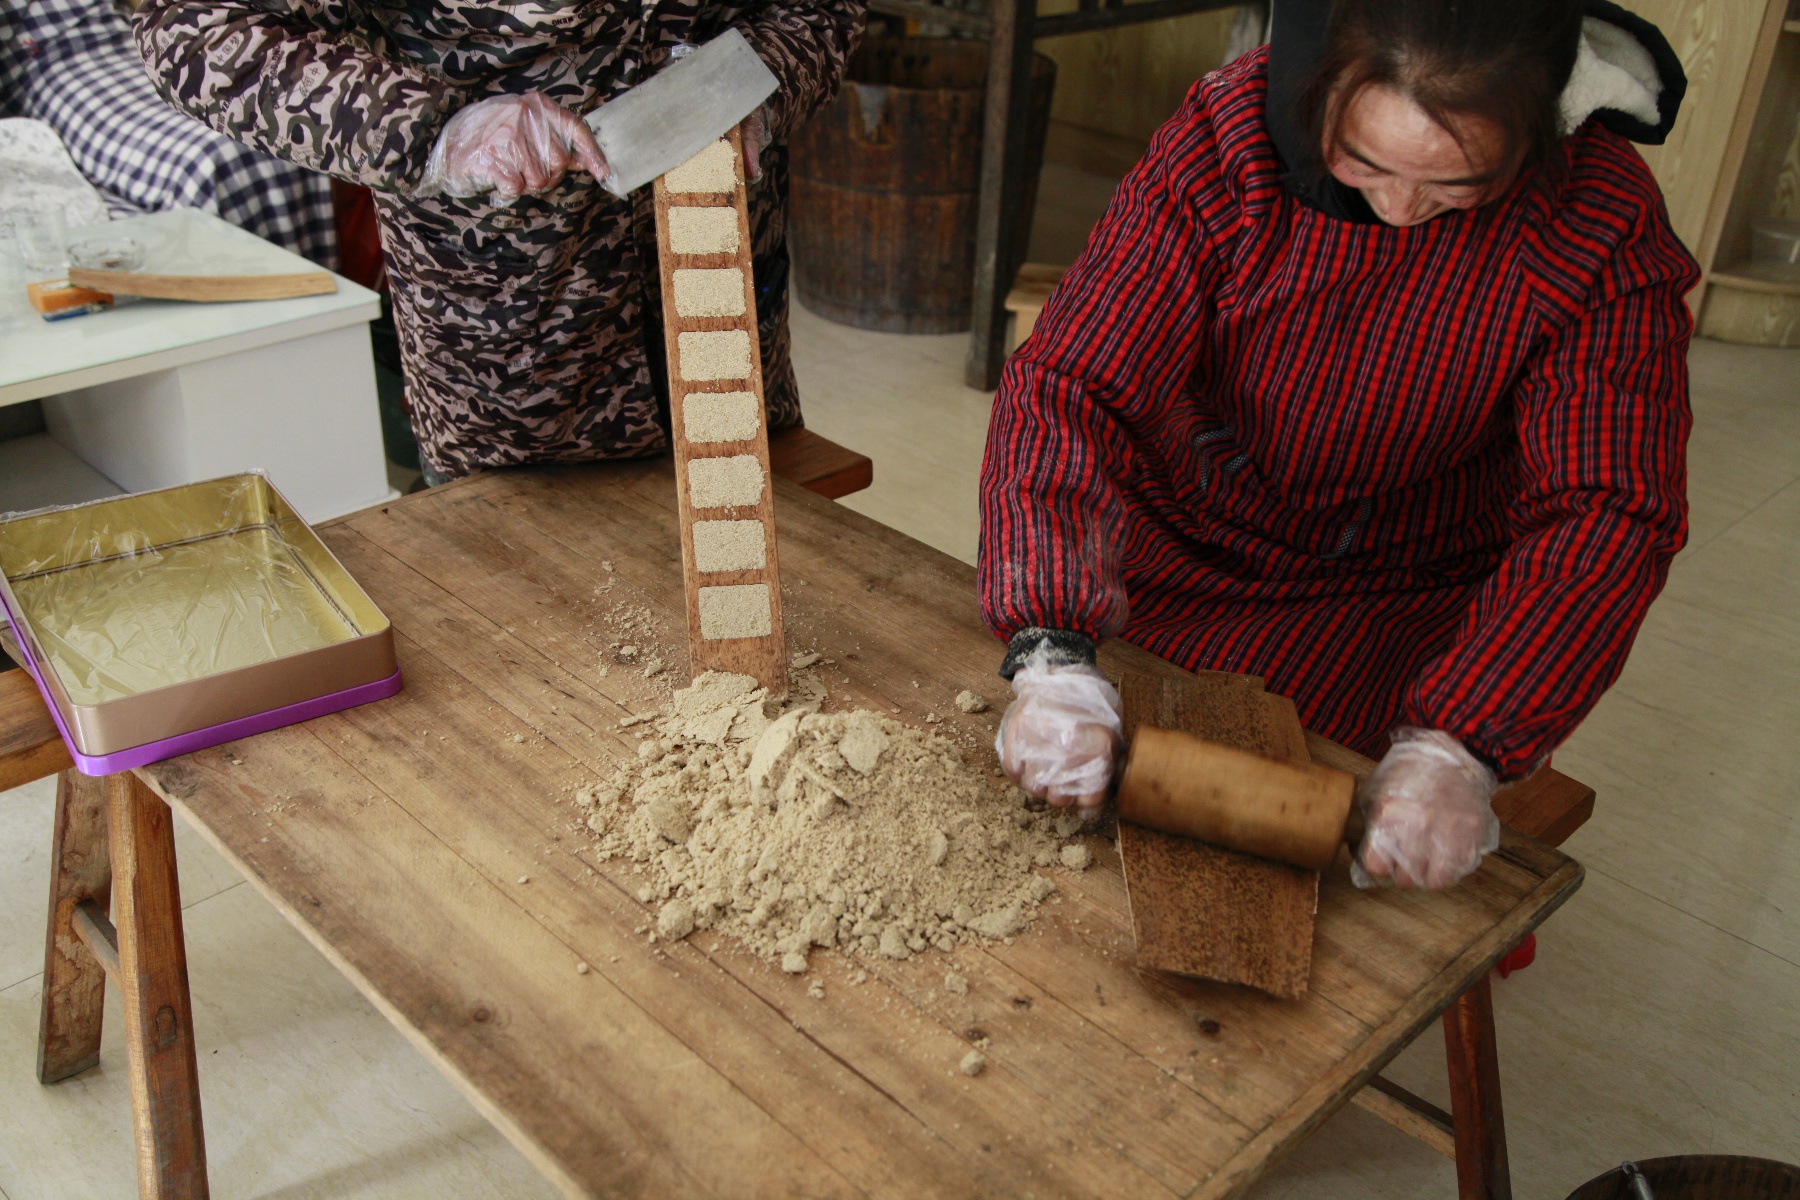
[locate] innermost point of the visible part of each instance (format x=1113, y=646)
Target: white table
x=160, y=392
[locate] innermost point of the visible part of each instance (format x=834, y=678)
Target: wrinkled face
x=1408, y=167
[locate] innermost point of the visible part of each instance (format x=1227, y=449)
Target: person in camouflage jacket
x=528, y=330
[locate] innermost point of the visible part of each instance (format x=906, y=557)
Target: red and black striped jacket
x=1430, y=475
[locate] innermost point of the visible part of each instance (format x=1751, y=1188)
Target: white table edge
x=181, y=356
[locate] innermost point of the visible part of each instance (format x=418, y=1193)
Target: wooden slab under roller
x=1198, y=909
x=722, y=477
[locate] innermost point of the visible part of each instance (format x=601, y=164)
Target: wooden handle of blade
x=1291, y=812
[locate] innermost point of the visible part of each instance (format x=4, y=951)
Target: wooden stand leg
x=1005, y=127
x=1481, y=1170
x=74, y=980
x=165, y=1092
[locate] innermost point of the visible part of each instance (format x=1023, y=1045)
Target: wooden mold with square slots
x=720, y=428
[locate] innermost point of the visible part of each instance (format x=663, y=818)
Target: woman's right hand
x=1060, y=734
x=510, y=145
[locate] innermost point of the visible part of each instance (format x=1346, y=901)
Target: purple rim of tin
x=212, y=735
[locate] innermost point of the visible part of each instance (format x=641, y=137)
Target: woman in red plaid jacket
x=1372, y=381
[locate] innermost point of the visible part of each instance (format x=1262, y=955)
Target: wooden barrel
x=1698, y=1177
x=885, y=180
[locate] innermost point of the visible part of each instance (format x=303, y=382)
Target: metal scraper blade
x=680, y=111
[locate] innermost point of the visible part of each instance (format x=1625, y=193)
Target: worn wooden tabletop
x=429, y=846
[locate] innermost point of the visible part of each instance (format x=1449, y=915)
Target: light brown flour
x=730, y=546
x=739, y=610
x=714, y=169
x=709, y=292
x=715, y=354
x=730, y=481
x=804, y=830
x=720, y=416
x=703, y=230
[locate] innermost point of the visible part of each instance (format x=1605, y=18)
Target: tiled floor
x=1658, y=1019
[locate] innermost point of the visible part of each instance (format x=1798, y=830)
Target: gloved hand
x=1059, y=735
x=1429, y=813
x=510, y=145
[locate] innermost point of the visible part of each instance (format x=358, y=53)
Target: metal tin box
x=172, y=620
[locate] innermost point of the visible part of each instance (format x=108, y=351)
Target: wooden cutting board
x=204, y=288
x=1202, y=910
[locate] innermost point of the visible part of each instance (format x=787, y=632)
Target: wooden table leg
x=1474, y=1060
x=74, y=980
x=165, y=1091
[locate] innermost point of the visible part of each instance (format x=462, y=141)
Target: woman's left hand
x=1429, y=813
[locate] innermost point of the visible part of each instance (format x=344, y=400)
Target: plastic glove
x=1059, y=735
x=510, y=145
x=1429, y=813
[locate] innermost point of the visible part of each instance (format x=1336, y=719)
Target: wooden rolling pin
x=1295, y=813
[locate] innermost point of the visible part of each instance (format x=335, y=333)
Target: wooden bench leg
x=152, y=977
x=74, y=980
x=1481, y=1170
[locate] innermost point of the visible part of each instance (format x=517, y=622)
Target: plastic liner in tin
x=163, y=622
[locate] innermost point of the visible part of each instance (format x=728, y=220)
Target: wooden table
x=428, y=845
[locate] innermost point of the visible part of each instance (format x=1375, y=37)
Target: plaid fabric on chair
x=74, y=65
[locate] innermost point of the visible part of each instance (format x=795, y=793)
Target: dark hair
x=1503, y=62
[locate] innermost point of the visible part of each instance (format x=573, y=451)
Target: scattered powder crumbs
x=703, y=230
x=581, y=968
x=720, y=416
x=1077, y=857
x=729, y=546
x=799, y=830
x=973, y=1063
x=709, y=292
x=736, y=611
x=969, y=702
x=956, y=983
x=715, y=354
x=802, y=661
x=734, y=481
x=711, y=170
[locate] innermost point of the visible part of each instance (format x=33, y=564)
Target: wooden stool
x=818, y=464
x=113, y=847
x=1549, y=806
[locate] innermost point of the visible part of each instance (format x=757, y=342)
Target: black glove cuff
x=1063, y=647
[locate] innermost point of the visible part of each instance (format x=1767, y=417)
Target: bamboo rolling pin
x=1295, y=813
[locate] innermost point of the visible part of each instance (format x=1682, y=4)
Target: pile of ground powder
x=802, y=829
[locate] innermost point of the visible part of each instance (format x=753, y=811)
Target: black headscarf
x=1297, y=44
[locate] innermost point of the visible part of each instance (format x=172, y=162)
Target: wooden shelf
x=1755, y=277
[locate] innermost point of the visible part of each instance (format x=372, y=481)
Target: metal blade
x=678, y=112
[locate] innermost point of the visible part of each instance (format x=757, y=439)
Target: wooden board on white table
x=40, y=358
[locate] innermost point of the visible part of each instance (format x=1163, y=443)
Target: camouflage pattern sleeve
x=807, y=44
x=299, y=80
